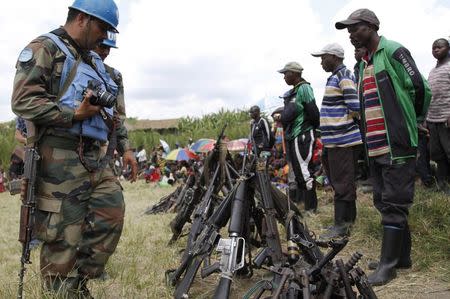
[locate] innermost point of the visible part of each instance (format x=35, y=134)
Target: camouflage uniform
x=80, y=214
x=121, y=131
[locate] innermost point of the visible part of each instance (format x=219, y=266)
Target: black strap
x=91, y=166
x=62, y=33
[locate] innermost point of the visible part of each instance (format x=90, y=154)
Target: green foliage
x=7, y=142
x=208, y=126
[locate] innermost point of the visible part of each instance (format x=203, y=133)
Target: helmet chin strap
x=86, y=36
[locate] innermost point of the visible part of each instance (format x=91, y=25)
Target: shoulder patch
x=26, y=55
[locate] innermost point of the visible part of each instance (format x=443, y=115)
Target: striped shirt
x=337, y=127
x=376, y=134
x=439, y=80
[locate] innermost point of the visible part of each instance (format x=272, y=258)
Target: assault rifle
x=200, y=249
x=185, y=203
x=28, y=208
x=233, y=248
x=203, y=210
x=272, y=251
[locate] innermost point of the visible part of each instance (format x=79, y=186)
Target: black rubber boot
x=390, y=254
x=341, y=227
x=441, y=176
x=351, y=214
x=404, y=261
x=310, y=200
x=67, y=287
x=292, y=194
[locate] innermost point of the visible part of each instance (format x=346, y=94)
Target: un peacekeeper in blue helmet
x=104, y=47
x=79, y=213
x=104, y=10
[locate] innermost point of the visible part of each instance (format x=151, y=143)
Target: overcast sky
x=194, y=57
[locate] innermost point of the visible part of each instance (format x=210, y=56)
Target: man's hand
x=422, y=129
x=354, y=114
x=86, y=109
x=128, y=159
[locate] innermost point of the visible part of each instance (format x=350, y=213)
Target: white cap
x=292, y=66
x=332, y=49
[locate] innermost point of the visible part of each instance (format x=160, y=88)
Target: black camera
x=100, y=96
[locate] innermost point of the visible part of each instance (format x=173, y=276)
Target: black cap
x=358, y=16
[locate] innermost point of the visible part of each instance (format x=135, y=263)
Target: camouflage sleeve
x=32, y=98
x=122, y=133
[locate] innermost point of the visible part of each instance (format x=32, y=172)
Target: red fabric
x=155, y=176
x=2, y=186
x=317, y=153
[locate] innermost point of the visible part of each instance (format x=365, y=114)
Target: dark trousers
x=440, y=148
x=362, y=167
x=393, y=189
x=423, y=167
x=299, y=154
x=340, y=166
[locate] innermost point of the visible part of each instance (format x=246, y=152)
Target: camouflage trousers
x=80, y=215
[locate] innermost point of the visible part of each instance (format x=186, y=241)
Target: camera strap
x=95, y=165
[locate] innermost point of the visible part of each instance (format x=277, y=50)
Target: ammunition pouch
x=48, y=219
x=15, y=186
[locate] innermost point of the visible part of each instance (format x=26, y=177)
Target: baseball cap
x=358, y=16
x=292, y=66
x=333, y=49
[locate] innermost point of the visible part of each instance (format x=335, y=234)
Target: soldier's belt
x=60, y=142
x=67, y=143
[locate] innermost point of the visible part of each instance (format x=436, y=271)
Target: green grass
x=137, y=268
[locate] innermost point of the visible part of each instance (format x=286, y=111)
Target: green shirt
x=304, y=94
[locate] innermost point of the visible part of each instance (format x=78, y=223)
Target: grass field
x=137, y=268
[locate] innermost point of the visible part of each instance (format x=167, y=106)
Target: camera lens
x=100, y=97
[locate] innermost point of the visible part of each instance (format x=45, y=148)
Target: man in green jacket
x=300, y=117
x=394, y=98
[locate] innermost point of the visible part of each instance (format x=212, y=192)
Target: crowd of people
x=374, y=113
x=383, y=115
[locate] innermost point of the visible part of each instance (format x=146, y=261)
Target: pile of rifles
x=243, y=198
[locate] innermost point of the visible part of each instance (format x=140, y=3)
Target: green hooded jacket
x=404, y=96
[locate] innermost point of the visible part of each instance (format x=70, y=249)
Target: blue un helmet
x=110, y=41
x=105, y=10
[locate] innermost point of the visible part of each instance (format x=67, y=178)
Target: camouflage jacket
x=36, y=87
x=122, y=133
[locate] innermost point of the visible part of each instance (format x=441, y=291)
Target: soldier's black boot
x=390, y=253
x=404, y=261
x=83, y=291
x=341, y=226
x=66, y=287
